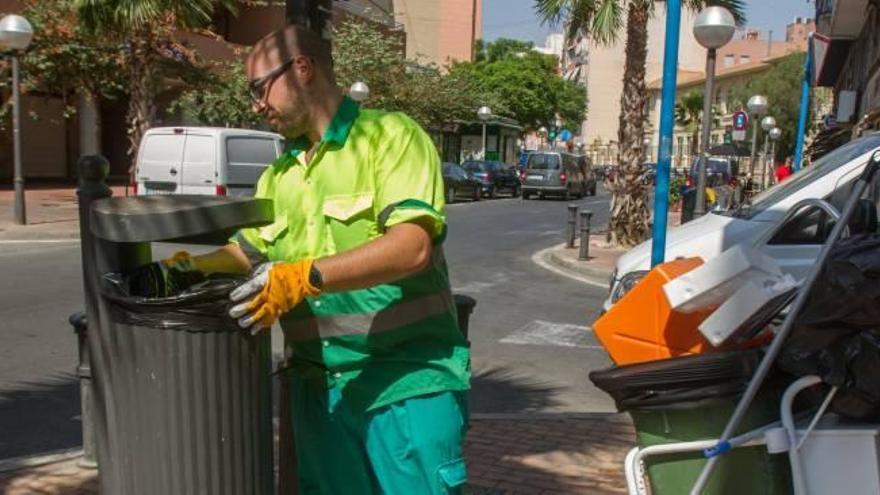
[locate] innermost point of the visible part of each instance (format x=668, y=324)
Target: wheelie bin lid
x=188, y=219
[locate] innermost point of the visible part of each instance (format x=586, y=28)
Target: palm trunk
x=629, y=203
x=142, y=92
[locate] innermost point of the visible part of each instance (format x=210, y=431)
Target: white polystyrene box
x=715, y=281
x=739, y=308
x=841, y=459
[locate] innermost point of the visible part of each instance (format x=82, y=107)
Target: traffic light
x=551, y=135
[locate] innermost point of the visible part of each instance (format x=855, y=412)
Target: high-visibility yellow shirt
x=372, y=170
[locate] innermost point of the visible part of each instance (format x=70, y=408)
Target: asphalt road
x=532, y=349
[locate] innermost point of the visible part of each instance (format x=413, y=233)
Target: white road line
x=546, y=333
x=38, y=241
x=538, y=259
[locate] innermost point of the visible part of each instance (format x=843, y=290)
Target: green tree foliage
x=526, y=84
x=362, y=52
x=782, y=87
x=219, y=99
x=64, y=60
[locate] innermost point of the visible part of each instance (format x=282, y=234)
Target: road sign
x=740, y=121
x=739, y=135
x=830, y=121
x=565, y=135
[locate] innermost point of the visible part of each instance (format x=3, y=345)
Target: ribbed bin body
x=186, y=412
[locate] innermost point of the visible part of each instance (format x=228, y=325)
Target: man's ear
x=304, y=69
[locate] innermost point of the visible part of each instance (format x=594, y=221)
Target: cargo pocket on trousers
x=453, y=474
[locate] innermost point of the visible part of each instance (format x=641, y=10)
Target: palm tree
x=602, y=20
x=144, y=26
x=687, y=114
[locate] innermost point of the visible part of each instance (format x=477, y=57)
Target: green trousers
x=411, y=447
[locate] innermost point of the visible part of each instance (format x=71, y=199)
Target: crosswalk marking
x=547, y=333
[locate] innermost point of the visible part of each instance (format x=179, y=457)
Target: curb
x=17, y=463
x=550, y=260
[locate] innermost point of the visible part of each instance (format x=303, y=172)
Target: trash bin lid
x=177, y=218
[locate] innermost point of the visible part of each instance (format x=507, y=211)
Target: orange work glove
x=273, y=289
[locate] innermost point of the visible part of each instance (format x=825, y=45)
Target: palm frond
x=607, y=22
x=129, y=15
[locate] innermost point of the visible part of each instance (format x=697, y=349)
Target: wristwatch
x=315, y=278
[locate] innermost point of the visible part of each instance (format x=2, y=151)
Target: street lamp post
x=713, y=28
x=484, y=113
x=16, y=34
x=775, y=133
x=767, y=123
x=757, y=106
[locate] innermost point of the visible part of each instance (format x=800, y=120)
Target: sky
x=516, y=18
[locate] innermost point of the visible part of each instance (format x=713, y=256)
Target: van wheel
x=450, y=195
x=526, y=195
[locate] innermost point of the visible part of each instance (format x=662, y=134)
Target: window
x=744, y=59
x=811, y=226
x=541, y=161
x=250, y=150
x=729, y=60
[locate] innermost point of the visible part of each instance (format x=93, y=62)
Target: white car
x=204, y=160
x=792, y=236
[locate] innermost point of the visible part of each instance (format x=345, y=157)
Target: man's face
x=277, y=88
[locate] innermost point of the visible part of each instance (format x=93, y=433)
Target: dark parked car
x=459, y=183
x=650, y=173
x=495, y=176
x=719, y=172
x=558, y=173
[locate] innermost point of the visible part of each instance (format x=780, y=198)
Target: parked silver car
x=558, y=173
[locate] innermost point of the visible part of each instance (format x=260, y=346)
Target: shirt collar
x=337, y=132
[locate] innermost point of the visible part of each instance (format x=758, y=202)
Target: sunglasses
x=257, y=87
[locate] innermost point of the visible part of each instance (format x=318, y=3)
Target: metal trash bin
x=179, y=410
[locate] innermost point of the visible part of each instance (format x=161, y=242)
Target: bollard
x=84, y=373
x=585, y=235
x=572, y=225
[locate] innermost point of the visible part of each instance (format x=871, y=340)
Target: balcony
x=840, y=19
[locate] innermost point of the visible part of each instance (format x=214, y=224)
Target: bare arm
x=403, y=251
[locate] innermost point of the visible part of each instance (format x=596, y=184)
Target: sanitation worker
x=352, y=268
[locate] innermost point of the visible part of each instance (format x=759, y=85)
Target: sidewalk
x=52, y=213
x=602, y=256
x=506, y=455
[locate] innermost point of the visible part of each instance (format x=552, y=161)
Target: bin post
x=84, y=373
x=572, y=225
x=99, y=257
x=585, y=235
x=464, y=306
x=93, y=171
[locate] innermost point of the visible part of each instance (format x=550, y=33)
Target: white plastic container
x=738, y=310
x=842, y=458
x=713, y=283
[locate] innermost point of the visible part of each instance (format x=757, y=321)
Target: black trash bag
x=687, y=382
x=837, y=334
x=191, y=302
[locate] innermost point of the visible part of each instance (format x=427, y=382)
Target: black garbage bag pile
x=837, y=334
x=177, y=300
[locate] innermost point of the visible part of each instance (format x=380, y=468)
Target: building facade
x=438, y=32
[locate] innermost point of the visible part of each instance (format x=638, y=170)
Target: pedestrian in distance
x=783, y=170
x=353, y=270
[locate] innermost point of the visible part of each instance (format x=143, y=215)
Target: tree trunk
x=142, y=92
x=89, y=114
x=629, y=201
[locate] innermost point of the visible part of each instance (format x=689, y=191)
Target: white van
x=789, y=221
x=204, y=160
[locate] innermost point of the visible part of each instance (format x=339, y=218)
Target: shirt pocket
x=270, y=233
x=350, y=220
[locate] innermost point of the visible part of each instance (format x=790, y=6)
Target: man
x=356, y=278
x=783, y=170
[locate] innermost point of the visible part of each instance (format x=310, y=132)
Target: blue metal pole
x=667, y=121
x=805, y=104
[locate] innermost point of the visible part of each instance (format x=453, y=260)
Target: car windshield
x=824, y=166
x=475, y=167
x=541, y=161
